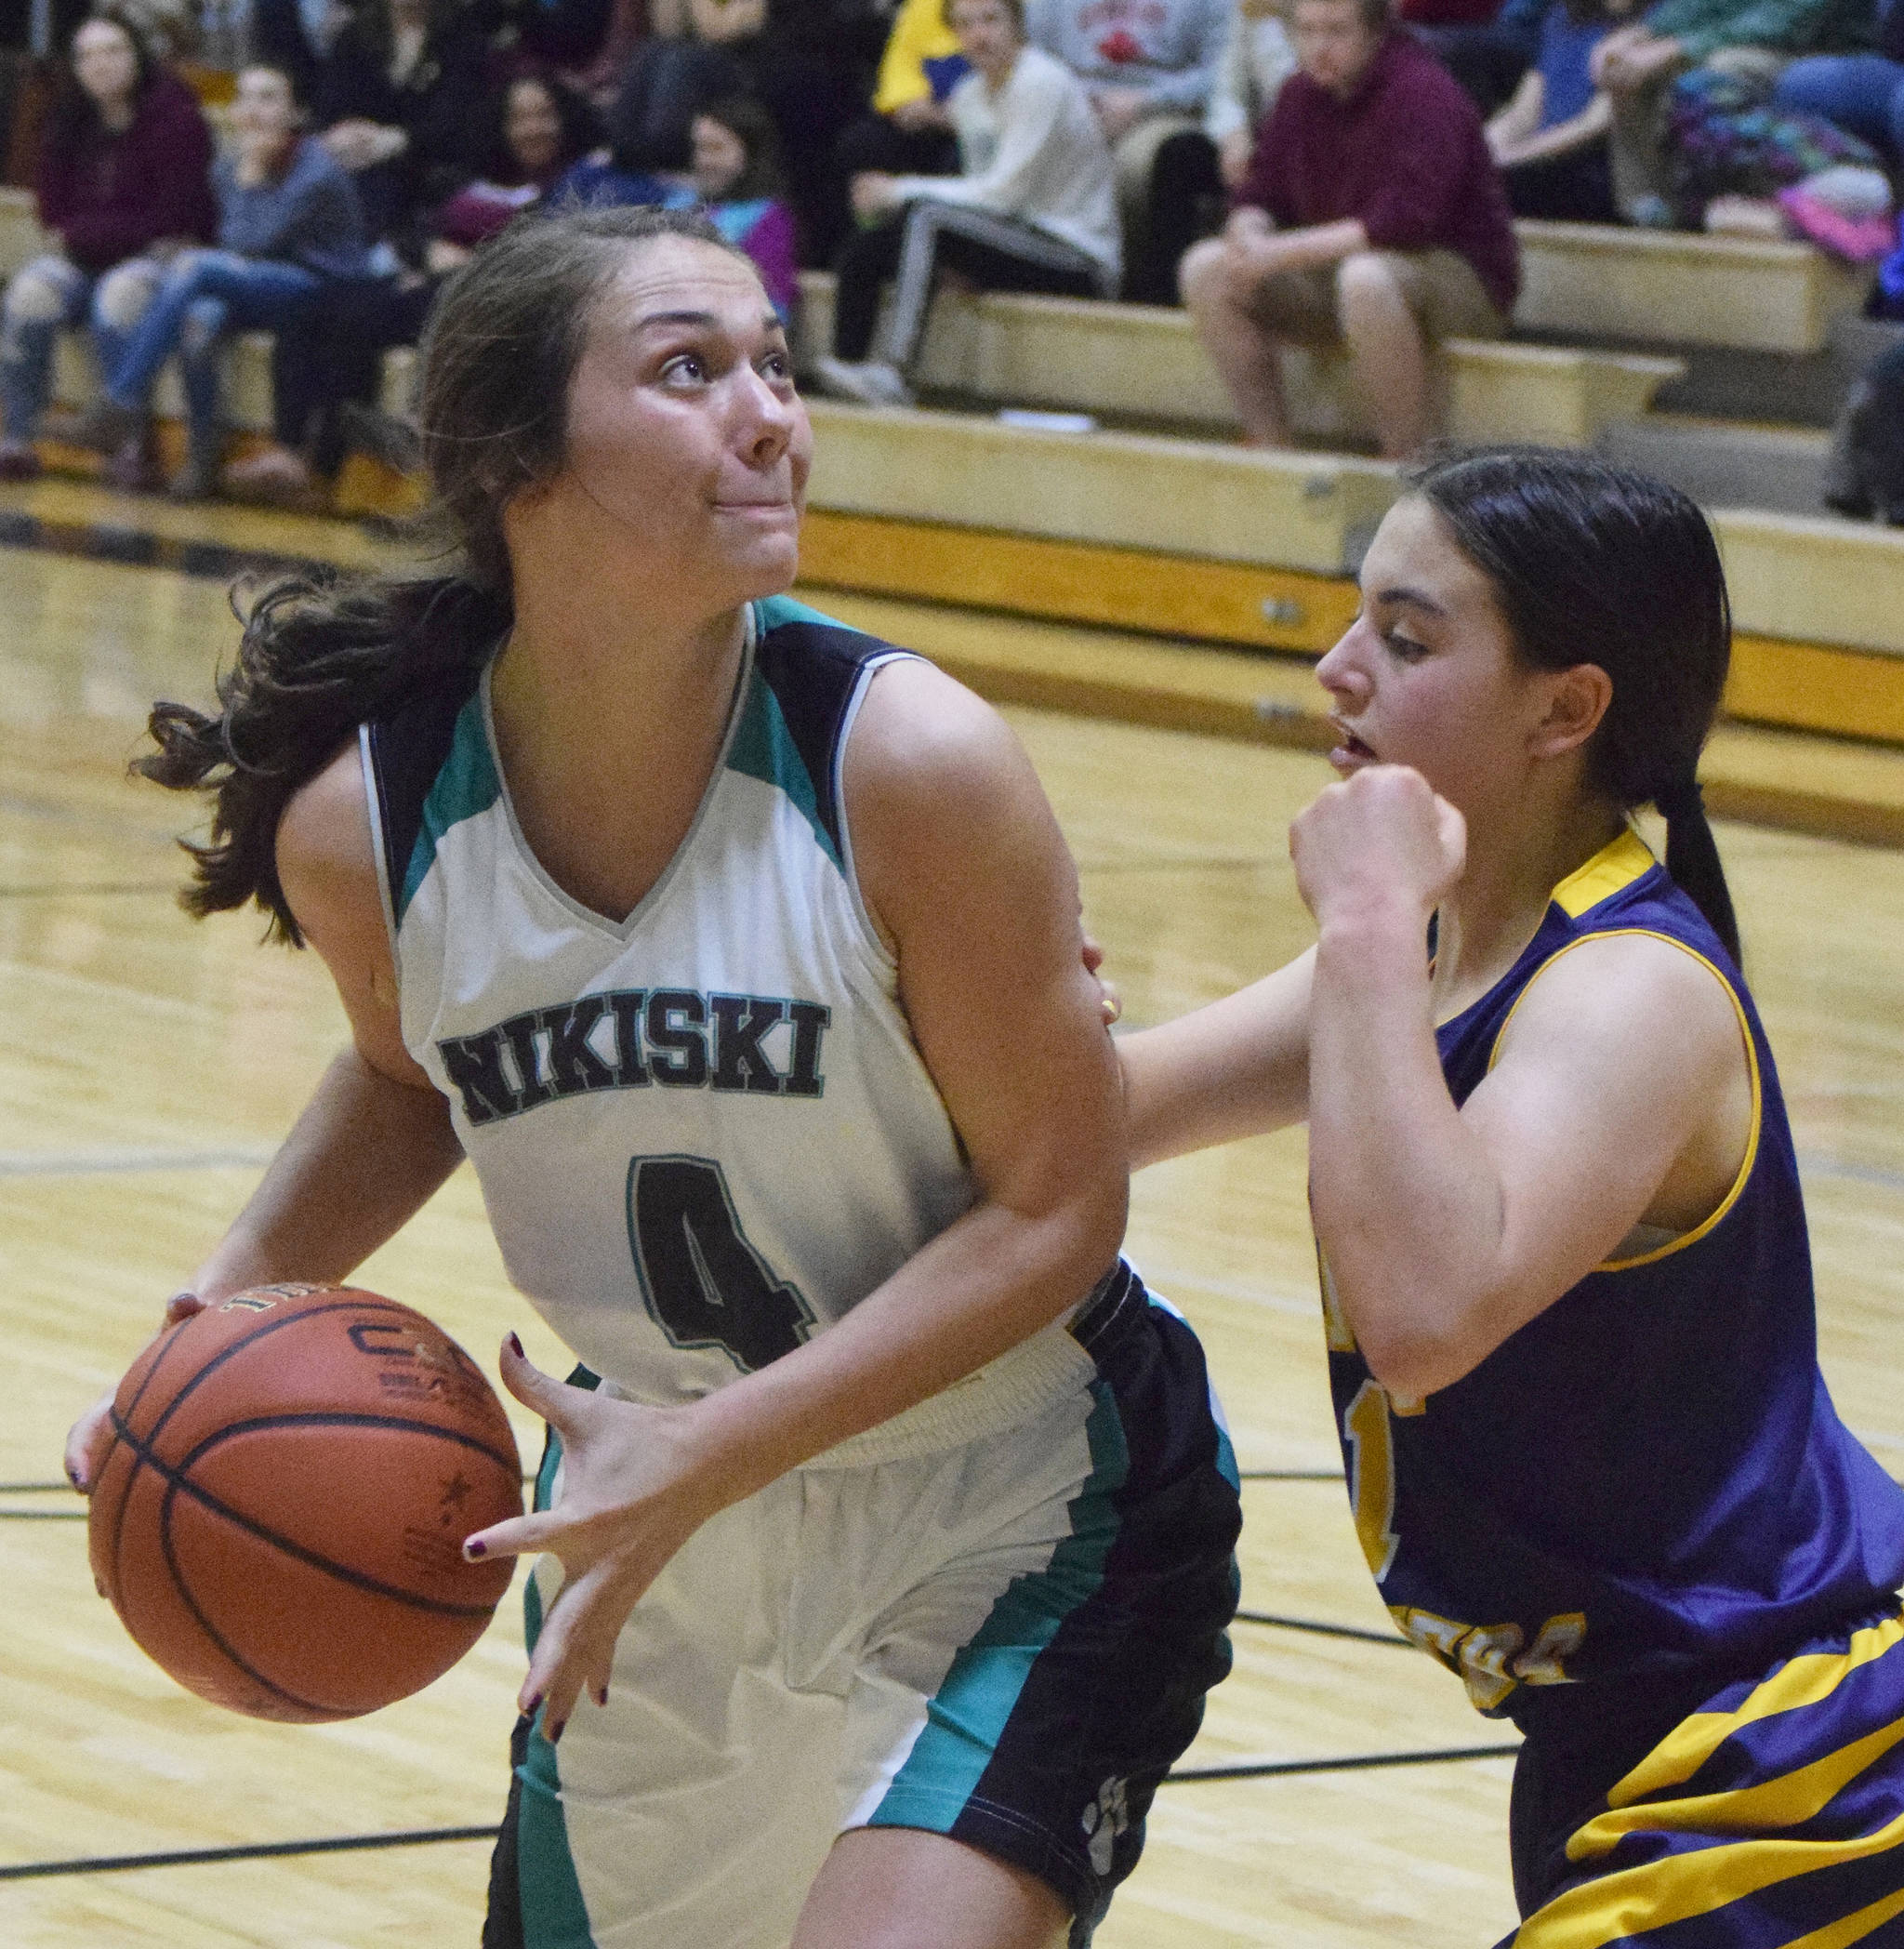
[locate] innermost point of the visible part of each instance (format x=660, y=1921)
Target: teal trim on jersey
x=770, y=611
x=466, y=786
x=1225, y=1455
x=967, y=1718
x=763, y=749
x=554, y=1915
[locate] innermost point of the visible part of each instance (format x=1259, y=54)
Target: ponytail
x=316, y=661
x=1692, y=858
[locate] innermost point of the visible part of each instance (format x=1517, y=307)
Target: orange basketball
x=280, y=1519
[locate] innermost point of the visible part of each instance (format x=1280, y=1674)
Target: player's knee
x=34, y=297
x=121, y=298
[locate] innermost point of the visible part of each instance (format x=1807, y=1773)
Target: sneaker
x=274, y=475
x=868, y=381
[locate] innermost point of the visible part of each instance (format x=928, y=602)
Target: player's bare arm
x=964, y=868
x=1620, y=1096
x=375, y=1140
x=1235, y=1068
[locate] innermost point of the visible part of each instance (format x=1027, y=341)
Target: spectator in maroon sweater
x=1372, y=216
x=123, y=182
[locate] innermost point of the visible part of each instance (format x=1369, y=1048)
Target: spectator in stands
x=1372, y=216
x=297, y=36
x=801, y=59
x=393, y=102
x=1490, y=57
x=331, y=357
x=1035, y=210
x=1863, y=93
x=909, y=130
x=121, y=183
x=736, y=176
x=1636, y=65
x=670, y=78
x=1550, y=141
x=288, y=222
x=1257, y=60
x=1150, y=66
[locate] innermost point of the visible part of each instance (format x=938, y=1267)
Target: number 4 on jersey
x=703, y=1284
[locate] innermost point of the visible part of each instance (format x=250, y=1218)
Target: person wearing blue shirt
x=289, y=222
x=1549, y=140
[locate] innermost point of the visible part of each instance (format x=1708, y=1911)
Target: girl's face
x=104, y=61
x=532, y=129
x=719, y=155
x=988, y=33
x=264, y=107
x=1427, y=676
x=686, y=439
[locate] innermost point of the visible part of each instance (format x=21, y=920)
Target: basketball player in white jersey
x=888, y=1521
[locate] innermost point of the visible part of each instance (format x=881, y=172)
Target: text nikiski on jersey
x=630, y=1039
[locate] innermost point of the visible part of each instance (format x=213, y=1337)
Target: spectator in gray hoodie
x=289, y=221
x=1149, y=67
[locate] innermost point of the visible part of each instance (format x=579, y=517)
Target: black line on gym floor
x=108, y=541
x=58, y=1487
x=1290, y=1474
x=1310, y=1623
x=41, y=1515
x=257, y=1850
x=422, y=1837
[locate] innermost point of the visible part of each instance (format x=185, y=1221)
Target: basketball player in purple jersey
x=1566, y=1281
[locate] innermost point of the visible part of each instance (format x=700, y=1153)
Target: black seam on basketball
x=367, y=1302
x=211, y=1367
x=112, y=1577
x=204, y=1623
x=350, y=1418
x=177, y=1480
x=259, y=1333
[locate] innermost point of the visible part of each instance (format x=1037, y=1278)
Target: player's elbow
x=1410, y=1365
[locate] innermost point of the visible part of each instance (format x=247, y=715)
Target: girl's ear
x=1577, y=702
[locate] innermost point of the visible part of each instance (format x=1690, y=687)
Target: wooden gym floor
x=152, y=1064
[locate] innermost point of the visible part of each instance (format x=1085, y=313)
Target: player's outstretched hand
x=91, y=1435
x=633, y=1492
x=1380, y=840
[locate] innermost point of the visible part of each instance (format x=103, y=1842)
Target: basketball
x=280, y=1521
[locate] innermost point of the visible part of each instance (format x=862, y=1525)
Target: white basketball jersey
x=704, y=1133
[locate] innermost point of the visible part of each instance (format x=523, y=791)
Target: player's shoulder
x=325, y=854
x=1629, y=995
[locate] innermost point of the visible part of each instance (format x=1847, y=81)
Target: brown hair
x=323, y=653
x=1591, y=564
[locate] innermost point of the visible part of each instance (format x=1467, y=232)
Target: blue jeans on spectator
x=50, y=295
x=1863, y=94
x=206, y=294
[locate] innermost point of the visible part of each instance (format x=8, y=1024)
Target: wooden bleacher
x=1206, y=542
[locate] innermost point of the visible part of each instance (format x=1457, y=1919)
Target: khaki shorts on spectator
x=1441, y=288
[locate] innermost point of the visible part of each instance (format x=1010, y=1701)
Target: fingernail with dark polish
x=602, y=1695
x=554, y=1733
x=533, y=1707
x=475, y=1547
x=516, y=1347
